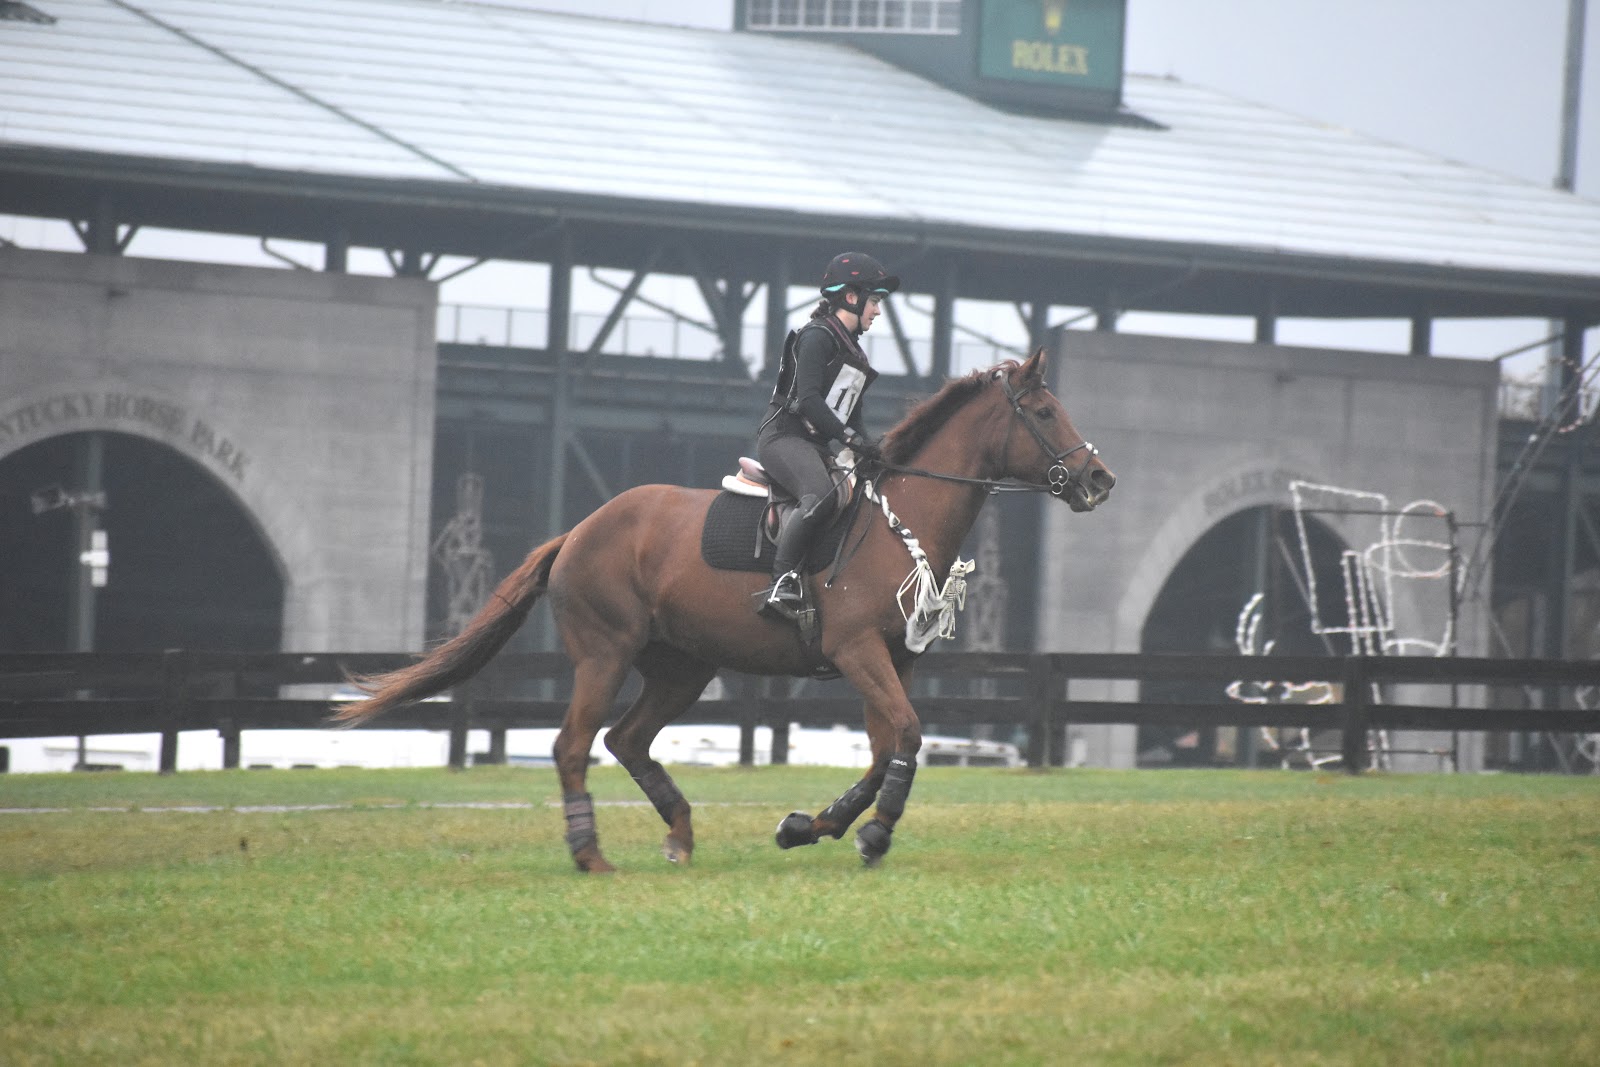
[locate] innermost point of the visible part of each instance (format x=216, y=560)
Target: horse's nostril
x=1102, y=479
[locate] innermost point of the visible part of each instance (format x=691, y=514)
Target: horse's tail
x=465, y=654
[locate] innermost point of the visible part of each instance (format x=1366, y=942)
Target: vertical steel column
x=561, y=416
x=944, y=322
x=777, y=314
x=731, y=322
x=1421, y=336
x=1571, y=498
x=1038, y=324
x=91, y=461
x=1267, y=321
x=100, y=233
x=1571, y=95
x=336, y=253
x=1106, y=313
x=1261, y=581
x=85, y=519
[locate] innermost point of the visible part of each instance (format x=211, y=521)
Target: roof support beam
x=100, y=233
x=902, y=343
x=624, y=299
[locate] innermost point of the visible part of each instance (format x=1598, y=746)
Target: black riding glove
x=866, y=449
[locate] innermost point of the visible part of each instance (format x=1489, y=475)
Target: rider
x=816, y=410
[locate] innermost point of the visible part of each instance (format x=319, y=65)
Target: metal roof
x=529, y=105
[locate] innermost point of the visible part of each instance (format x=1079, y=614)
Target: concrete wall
x=1198, y=430
x=309, y=396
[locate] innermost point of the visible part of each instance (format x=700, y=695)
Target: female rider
x=816, y=411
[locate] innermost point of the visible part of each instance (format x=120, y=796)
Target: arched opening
x=1255, y=551
x=187, y=567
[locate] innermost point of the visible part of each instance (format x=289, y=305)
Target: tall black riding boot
x=793, y=540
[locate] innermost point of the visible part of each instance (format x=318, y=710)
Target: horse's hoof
x=594, y=864
x=676, y=851
x=795, y=829
x=872, y=841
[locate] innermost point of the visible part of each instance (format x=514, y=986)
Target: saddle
x=741, y=530
x=741, y=534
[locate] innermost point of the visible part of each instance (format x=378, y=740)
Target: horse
x=630, y=591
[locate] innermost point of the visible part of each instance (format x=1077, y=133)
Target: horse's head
x=1041, y=444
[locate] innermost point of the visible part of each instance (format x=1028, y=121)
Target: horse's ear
x=1035, y=367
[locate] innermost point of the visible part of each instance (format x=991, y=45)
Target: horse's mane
x=913, y=431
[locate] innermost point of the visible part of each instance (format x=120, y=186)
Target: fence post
x=776, y=712
x=229, y=729
x=460, y=716
x=493, y=690
x=1354, y=742
x=174, y=697
x=747, y=694
x=1043, y=747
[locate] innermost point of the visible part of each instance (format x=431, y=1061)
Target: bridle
x=1060, y=480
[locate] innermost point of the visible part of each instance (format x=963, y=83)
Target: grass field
x=1022, y=917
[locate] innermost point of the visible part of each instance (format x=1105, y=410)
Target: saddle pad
x=728, y=541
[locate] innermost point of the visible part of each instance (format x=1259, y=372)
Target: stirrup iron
x=784, y=596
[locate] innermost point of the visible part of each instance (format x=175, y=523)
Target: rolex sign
x=1076, y=43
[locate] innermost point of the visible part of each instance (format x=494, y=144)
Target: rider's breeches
x=799, y=466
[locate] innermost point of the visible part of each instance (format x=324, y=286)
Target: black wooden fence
x=97, y=693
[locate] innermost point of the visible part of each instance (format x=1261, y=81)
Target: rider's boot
x=783, y=597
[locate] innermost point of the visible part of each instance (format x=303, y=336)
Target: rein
x=1060, y=479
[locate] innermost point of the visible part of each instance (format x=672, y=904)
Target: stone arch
x=1246, y=483
x=115, y=405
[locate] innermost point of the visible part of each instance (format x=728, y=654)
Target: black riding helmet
x=857, y=270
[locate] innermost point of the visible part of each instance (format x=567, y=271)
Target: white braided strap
x=933, y=607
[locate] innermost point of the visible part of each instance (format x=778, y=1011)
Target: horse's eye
x=1045, y=413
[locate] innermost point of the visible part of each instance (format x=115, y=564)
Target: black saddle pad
x=731, y=534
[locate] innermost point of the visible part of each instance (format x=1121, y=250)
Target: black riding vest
x=846, y=376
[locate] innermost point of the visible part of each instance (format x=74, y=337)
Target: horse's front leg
x=896, y=736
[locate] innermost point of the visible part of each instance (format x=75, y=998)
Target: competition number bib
x=846, y=391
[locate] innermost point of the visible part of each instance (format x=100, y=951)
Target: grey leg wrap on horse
x=848, y=808
x=660, y=790
x=897, y=785
x=580, y=821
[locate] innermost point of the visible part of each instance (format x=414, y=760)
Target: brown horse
x=630, y=590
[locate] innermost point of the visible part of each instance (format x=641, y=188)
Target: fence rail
x=97, y=693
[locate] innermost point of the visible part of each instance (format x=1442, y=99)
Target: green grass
x=1022, y=917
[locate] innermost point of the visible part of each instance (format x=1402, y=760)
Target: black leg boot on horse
x=874, y=837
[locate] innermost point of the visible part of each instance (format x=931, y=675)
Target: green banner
x=1074, y=43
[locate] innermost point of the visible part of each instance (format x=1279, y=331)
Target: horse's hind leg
x=672, y=682
x=595, y=683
